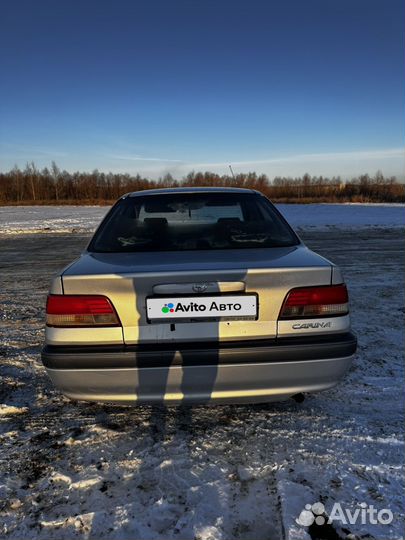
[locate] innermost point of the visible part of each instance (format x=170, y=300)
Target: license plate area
x=200, y=308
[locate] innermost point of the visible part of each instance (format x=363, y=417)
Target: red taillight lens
x=315, y=302
x=80, y=310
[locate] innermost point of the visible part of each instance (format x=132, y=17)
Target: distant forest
x=55, y=186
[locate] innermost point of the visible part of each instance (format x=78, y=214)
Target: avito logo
x=168, y=308
x=196, y=307
x=217, y=306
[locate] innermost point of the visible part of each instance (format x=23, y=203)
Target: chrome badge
x=200, y=287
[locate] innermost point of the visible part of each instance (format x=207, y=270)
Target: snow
x=34, y=219
x=327, y=216
x=78, y=470
x=6, y=410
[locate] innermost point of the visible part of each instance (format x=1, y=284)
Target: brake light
x=80, y=310
x=315, y=302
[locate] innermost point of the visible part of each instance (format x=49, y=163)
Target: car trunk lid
x=128, y=279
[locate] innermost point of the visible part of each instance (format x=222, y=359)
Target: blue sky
x=282, y=87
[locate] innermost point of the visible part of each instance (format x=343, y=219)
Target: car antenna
x=233, y=176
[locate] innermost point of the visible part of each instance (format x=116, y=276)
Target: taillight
x=80, y=310
x=315, y=302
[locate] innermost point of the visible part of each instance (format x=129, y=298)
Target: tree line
x=55, y=186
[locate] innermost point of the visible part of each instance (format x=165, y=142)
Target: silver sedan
x=196, y=295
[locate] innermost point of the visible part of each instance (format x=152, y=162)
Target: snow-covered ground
x=327, y=216
x=77, y=470
x=32, y=219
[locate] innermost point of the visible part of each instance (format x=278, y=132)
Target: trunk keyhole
x=172, y=327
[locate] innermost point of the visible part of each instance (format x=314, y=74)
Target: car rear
x=202, y=295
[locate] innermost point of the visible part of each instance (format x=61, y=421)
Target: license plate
x=202, y=307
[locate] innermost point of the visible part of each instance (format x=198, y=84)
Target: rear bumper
x=228, y=372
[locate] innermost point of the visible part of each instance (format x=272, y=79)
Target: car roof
x=164, y=191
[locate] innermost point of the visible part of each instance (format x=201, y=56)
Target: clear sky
x=280, y=87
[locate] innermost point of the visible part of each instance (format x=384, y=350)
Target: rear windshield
x=192, y=221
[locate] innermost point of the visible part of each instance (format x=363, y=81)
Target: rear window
x=192, y=221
